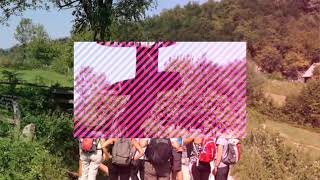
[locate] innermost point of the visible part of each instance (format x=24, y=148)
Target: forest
x=283, y=41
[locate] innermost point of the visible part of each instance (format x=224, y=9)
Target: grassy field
x=278, y=90
x=47, y=77
x=305, y=139
x=283, y=88
x=294, y=136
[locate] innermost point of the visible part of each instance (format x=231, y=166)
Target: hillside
x=43, y=77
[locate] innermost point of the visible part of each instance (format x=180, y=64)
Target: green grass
x=296, y=137
x=284, y=88
x=48, y=77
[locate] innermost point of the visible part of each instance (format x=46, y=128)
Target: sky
x=58, y=24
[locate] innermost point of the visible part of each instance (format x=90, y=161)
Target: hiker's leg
x=124, y=173
x=141, y=169
x=204, y=170
x=113, y=172
x=134, y=168
x=179, y=175
x=104, y=169
x=150, y=173
x=222, y=173
x=84, y=169
x=164, y=177
x=195, y=172
x=177, y=165
x=174, y=175
x=96, y=159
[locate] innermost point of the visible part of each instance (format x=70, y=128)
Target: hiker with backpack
x=228, y=153
x=177, y=174
x=123, y=153
x=158, y=158
x=137, y=166
x=202, y=153
x=91, y=156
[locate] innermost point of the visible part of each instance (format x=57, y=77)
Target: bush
x=55, y=132
x=266, y=156
x=4, y=129
x=254, y=86
x=305, y=108
x=28, y=160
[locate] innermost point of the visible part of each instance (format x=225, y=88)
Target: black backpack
x=159, y=151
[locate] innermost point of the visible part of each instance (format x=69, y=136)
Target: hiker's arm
x=138, y=147
x=143, y=143
x=219, y=157
x=108, y=142
x=187, y=140
x=176, y=145
x=106, y=154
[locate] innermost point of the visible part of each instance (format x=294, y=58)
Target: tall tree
x=10, y=8
x=26, y=31
x=98, y=15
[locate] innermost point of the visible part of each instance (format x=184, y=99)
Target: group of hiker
x=157, y=158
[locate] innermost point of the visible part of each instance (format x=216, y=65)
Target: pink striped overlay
x=159, y=89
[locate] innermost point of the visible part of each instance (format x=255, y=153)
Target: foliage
x=254, y=85
x=293, y=63
x=33, y=99
x=305, y=108
x=47, y=77
x=40, y=53
x=98, y=15
x=316, y=72
x=266, y=156
x=269, y=58
x=28, y=160
x=13, y=78
x=4, y=129
x=55, y=132
x=280, y=34
x=26, y=31
x=13, y=7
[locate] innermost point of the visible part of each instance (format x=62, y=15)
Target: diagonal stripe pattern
x=188, y=99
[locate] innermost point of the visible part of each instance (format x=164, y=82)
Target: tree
x=26, y=31
x=316, y=72
x=269, y=58
x=98, y=15
x=41, y=52
x=13, y=78
x=10, y=8
x=293, y=62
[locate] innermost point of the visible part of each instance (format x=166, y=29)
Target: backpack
x=233, y=152
x=208, y=151
x=159, y=151
x=89, y=145
x=122, y=152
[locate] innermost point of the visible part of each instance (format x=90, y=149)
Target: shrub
x=55, y=132
x=266, y=156
x=4, y=129
x=305, y=108
x=254, y=85
x=28, y=160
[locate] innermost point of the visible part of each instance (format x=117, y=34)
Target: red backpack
x=208, y=150
x=89, y=145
